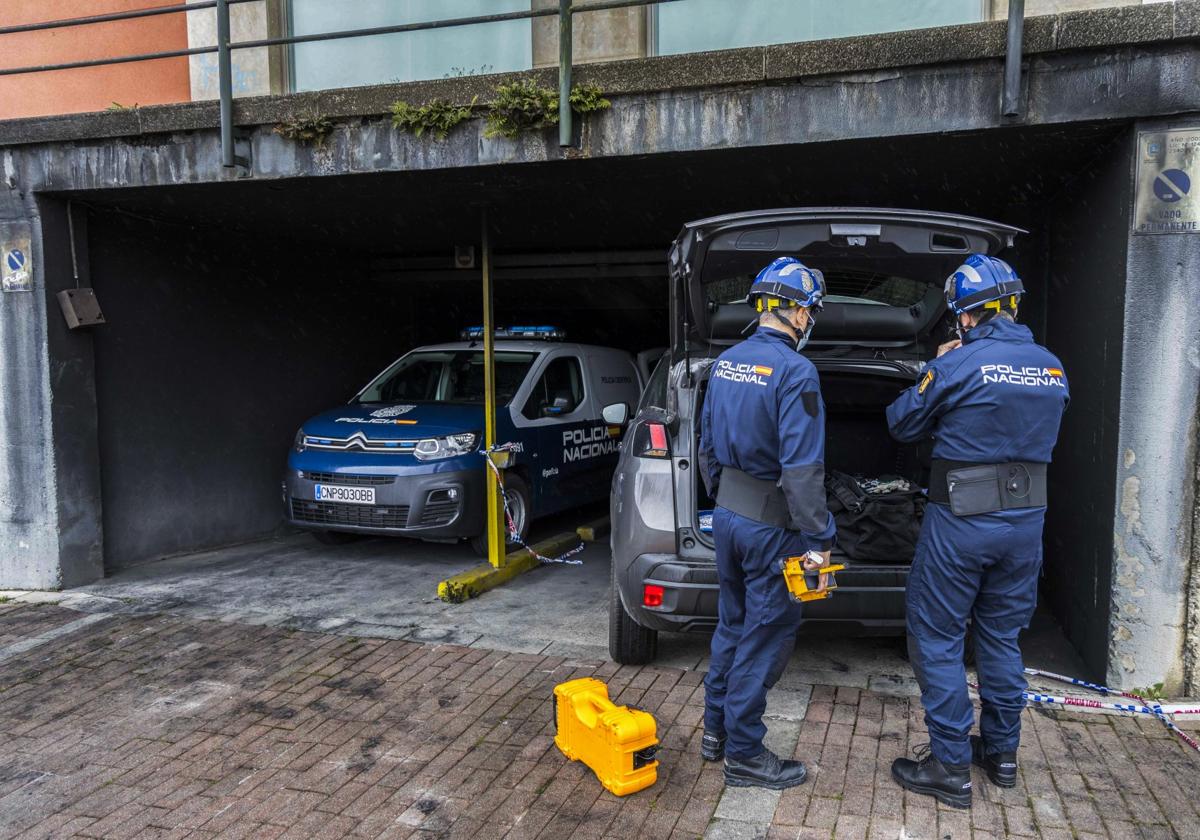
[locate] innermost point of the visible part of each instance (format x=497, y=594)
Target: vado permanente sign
x=1167, y=196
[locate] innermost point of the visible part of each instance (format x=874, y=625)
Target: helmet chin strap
x=800, y=337
x=987, y=315
x=784, y=322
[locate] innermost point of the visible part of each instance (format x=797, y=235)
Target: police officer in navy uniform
x=993, y=401
x=762, y=449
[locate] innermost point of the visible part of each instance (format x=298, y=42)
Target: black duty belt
x=971, y=489
x=759, y=499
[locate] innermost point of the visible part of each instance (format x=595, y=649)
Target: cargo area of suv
x=883, y=318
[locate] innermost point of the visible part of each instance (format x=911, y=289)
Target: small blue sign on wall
x=16, y=270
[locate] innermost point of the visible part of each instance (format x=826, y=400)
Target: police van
x=884, y=315
x=405, y=456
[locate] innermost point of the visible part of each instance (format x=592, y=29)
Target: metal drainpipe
x=1012, y=58
x=564, y=72
x=225, y=84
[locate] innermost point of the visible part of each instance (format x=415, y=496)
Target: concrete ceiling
x=637, y=202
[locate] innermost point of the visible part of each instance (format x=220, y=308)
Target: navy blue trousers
x=756, y=628
x=984, y=568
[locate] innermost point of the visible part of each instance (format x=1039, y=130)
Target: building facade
x=236, y=299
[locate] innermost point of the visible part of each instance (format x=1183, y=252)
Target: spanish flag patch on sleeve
x=925, y=381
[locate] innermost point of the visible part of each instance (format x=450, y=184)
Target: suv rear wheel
x=629, y=643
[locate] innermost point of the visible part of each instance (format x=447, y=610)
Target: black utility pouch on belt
x=971, y=489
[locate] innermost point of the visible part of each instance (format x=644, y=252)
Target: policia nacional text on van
x=992, y=401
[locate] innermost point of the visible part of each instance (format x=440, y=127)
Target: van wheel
x=334, y=537
x=629, y=643
x=519, y=508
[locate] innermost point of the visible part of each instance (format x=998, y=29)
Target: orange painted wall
x=90, y=88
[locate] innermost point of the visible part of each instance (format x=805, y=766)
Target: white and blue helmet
x=980, y=281
x=787, y=279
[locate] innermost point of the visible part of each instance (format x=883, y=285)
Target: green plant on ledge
x=587, y=98
x=526, y=106
x=438, y=117
x=313, y=129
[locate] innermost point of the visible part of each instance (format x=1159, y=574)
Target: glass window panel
x=700, y=25
x=405, y=56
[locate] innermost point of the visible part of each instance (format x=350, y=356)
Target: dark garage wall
x=218, y=345
x=1089, y=233
x=216, y=348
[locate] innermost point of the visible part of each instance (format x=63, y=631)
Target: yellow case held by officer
x=617, y=742
x=802, y=585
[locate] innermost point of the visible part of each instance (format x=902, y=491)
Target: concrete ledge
x=1083, y=30
x=475, y=581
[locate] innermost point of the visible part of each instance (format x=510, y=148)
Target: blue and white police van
x=404, y=457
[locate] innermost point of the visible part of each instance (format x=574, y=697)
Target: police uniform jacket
x=997, y=398
x=763, y=414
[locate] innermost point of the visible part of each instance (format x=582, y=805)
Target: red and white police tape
x=1143, y=706
x=511, y=526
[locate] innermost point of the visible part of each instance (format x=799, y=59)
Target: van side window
x=656, y=388
x=559, y=391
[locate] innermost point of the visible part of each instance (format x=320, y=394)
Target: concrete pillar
x=49, y=498
x=609, y=35
x=1154, y=587
x=256, y=72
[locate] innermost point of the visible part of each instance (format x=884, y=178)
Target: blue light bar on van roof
x=545, y=333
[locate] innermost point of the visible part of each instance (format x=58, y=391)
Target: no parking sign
x=16, y=265
x=1167, y=198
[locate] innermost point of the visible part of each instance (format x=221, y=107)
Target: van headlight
x=435, y=449
x=298, y=443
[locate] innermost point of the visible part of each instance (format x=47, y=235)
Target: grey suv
x=884, y=269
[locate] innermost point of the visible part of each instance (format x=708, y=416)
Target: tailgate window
x=843, y=285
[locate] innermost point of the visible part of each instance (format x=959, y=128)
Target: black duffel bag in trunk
x=874, y=527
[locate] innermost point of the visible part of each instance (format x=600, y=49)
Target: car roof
x=524, y=346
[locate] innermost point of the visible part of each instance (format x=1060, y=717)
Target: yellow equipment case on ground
x=617, y=742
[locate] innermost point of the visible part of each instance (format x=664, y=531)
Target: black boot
x=949, y=784
x=1001, y=767
x=765, y=770
x=712, y=746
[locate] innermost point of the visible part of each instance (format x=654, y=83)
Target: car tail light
x=652, y=595
x=652, y=441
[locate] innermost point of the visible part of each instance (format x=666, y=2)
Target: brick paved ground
x=21, y=623
x=155, y=726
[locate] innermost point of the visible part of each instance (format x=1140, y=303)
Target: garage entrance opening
x=234, y=311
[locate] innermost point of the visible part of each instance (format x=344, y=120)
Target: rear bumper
x=437, y=505
x=871, y=597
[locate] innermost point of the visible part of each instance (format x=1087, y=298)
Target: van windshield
x=842, y=285
x=447, y=376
